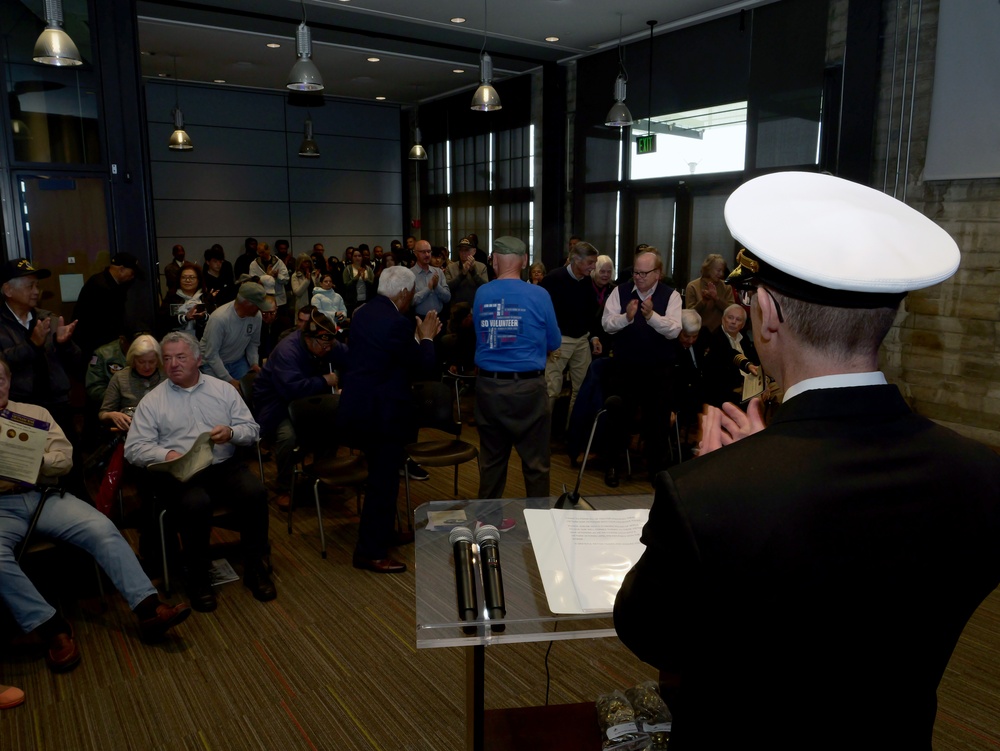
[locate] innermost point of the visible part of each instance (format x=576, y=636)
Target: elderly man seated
x=65, y=517
x=731, y=357
x=301, y=365
x=167, y=424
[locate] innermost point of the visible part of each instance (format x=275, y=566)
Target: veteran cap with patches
x=21, y=267
x=507, y=245
x=834, y=242
x=320, y=326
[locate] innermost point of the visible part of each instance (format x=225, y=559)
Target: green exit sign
x=645, y=144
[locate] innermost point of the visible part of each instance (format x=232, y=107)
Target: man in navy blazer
x=386, y=356
x=805, y=584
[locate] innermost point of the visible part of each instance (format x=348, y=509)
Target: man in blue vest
x=643, y=315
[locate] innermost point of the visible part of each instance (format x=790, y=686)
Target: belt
x=510, y=376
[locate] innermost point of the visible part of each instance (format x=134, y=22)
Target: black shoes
x=201, y=595
x=611, y=477
x=258, y=581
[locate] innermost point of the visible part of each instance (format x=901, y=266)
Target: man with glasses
x=302, y=364
x=643, y=316
x=831, y=559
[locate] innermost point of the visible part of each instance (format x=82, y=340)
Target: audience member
x=432, y=291
x=465, y=275
x=166, y=425
x=301, y=365
x=575, y=305
x=709, y=294
x=328, y=302
x=303, y=281
x=731, y=357
x=386, y=356
x=242, y=265
x=184, y=309
x=38, y=347
x=143, y=372
x=516, y=330
x=359, y=282
x=439, y=256
x=172, y=271
x=65, y=517
x=100, y=307
x=107, y=360
x=269, y=265
x=232, y=336
x=220, y=285
x=643, y=316
x=284, y=253
x=602, y=284
x=302, y=319
x=688, y=379
x=536, y=272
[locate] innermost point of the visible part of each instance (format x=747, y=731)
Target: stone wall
x=942, y=351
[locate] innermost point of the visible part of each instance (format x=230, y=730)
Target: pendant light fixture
x=309, y=147
x=179, y=139
x=486, y=98
x=54, y=47
x=619, y=115
x=418, y=153
x=304, y=75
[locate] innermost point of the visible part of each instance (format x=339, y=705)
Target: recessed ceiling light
x=374, y=59
x=458, y=19
x=551, y=39
x=219, y=80
x=273, y=45
x=458, y=70
x=380, y=98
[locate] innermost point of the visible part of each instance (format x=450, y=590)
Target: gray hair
x=143, y=345
x=584, y=250
x=736, y=306
x=396, y=279
x=182, y=337
x=690, y=321
x=602, y=261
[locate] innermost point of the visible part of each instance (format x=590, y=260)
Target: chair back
x=314, y=421
x=434, y=406
x=246, y=389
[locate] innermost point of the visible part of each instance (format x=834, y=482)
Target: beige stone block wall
x=942, y=351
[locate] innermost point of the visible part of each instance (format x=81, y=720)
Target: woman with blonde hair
x=128, y=386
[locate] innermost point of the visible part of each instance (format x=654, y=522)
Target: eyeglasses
x=746, y=295
x=644, y=274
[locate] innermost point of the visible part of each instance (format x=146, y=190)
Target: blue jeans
x=71, y=520
x=238, y=368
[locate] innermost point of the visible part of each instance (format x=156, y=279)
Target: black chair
x=246, y=390
x=313, y=421
x=435, y=408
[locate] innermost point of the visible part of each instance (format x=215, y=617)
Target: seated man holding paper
x=185, y=432
x=34, y=451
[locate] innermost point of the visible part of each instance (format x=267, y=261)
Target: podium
x=528, y=618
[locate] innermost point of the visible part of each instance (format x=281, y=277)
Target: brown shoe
x=10, y=697
x=379, y=565
x=167, y=616
x=284, y=501
x=63, y=654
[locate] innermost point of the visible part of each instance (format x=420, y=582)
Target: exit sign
x=645, y=144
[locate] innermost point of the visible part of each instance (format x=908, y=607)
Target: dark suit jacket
x=725, y=366
x=383, y=362
x=809, y=583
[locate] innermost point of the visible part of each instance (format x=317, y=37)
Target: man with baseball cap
x=810, y=579
x=100, y=308
x=516, y=329
x=302, y=364
x=232, y=335
x=38, y=346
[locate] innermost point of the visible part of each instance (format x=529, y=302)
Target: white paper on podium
x=583, y=556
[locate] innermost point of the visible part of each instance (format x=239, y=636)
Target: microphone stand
x=572, y=499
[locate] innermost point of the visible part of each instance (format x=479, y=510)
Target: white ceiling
x=417, y=45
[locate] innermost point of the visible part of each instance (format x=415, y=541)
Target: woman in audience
x=184, y=309
x=601, y=280
x=128, y=386
x=218, y=279
x=536, y=272
x=303, y=281
x=710, y=295
x=359, y=282
x=328, y=302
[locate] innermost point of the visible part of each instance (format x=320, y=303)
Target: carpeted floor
x=332, y=663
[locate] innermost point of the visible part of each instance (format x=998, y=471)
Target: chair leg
x=163, y=553
x=409, y=515
x=260, y=461
x=319, y=518
x=291, y=499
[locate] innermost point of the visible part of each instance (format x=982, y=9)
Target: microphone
x=572, y=499
x=461, y=540
x=488, y=538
